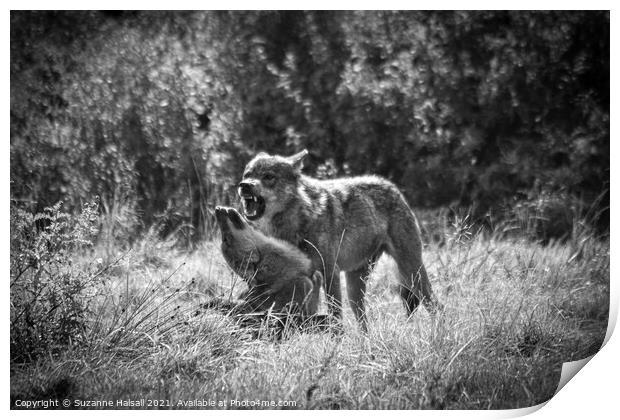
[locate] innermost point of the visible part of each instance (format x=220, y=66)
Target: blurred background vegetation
x=156, y=113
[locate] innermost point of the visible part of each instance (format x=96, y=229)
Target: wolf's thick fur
x=280, y=276
x=341, y=224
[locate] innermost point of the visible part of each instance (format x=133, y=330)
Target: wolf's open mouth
x=253, y=206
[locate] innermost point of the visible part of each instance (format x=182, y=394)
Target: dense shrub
x=49, y=292
x=547, y=216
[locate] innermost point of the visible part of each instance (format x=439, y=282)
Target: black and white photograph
x=306, y=209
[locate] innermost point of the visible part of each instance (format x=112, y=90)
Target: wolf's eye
x=268, y=177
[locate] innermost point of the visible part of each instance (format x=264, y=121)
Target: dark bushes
x=159, y=111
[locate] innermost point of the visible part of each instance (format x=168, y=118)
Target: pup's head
x=268, y=181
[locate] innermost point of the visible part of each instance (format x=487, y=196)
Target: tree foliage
x=159, y=111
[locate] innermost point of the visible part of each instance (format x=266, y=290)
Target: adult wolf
x=279, y=276
x=341, y=224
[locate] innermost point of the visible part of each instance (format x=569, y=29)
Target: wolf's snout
x=245, y=188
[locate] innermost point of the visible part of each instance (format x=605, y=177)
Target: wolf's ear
x=297, y=160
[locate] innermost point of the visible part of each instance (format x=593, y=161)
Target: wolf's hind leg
x=356, y=289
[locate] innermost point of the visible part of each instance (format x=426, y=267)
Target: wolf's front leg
x=332, y=290
x=356, y=291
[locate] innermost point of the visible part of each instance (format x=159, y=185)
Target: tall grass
x=515, y=310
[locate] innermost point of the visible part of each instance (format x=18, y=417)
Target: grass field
x=514, y=312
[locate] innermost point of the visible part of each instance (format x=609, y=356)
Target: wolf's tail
x=405, y=246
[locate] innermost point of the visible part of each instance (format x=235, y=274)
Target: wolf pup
x=341, y=224
x=280, y=276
